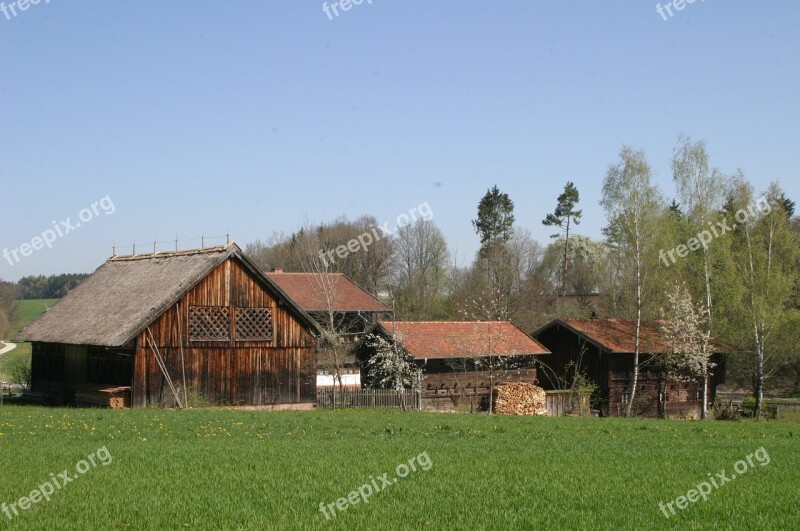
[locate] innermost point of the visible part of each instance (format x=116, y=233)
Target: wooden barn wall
x=450, y=375
x=47, y=368
x=613, y=374
x=58, y=370
x=455, y=384
x=227, y=372
x=684, y=399
x=566, y=351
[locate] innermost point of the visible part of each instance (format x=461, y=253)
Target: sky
x=126, y=122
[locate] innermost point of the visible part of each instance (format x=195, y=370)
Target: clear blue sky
x=195, y=117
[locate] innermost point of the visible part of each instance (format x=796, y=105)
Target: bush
x=725, y=410
x=22, y=375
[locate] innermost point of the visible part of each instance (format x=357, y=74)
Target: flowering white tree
x=390, y=366
x=689, y=342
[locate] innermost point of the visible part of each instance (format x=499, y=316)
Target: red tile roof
x=317, y=292
x=617, y=335
x=463, y=339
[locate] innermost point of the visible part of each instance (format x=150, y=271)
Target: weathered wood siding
x=456, y=385
x=58, y=369
x=613, y=374
x=231, y=372
x=568, y=352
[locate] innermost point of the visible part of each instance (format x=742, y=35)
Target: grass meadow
x=225, y=469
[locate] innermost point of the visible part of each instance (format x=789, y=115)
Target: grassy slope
x=24, y=313
x=258, y=470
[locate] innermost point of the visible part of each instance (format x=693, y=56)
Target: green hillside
x=24, y=313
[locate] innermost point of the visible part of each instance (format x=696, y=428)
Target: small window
x=253, y=324
x=209, y=323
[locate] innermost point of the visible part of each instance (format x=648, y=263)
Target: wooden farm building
x=203, y=320
x=460, y=361
x=338, y=305
x=324, y=294
x=602, y=350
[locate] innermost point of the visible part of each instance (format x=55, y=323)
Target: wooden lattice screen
x=253, y=324
x=209, y=323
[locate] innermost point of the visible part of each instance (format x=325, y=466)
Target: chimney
x=277, y=270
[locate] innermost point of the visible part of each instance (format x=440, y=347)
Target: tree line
x=734, y=249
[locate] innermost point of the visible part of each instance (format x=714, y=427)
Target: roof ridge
x=443, y=321
x=171, y=254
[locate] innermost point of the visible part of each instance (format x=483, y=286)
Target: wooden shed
x=603, y=349
x=460, y=361
x=203, y=320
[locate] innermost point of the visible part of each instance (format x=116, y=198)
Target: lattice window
x=253, y=324
x=209, y=323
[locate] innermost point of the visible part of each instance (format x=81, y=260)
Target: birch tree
x=701, y=190
x=633, y=205
x=764, y=258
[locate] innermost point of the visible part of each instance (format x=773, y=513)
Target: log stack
x=519, y=398
x=113, y=397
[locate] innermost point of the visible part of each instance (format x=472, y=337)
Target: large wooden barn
x=204, y=320
x=460, y=361
x=603, y=349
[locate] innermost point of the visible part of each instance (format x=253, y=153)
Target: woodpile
x=113, y=397
x=519, y=399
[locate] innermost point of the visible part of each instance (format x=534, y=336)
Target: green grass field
x=24, y=313
x=271, y=470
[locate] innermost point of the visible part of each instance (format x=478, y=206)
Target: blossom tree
x=689, y=342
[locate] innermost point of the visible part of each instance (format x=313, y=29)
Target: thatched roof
x=126, y=294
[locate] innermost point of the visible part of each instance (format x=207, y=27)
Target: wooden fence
x=330, y=398
x=772, y=408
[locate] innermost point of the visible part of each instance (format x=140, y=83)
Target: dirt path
x=8, y=347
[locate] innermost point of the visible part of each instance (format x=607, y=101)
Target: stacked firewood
x=519, y=399
x=115, y=397
x=119, y=402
